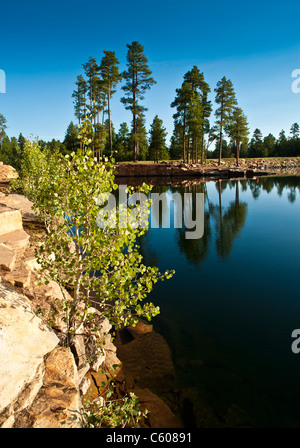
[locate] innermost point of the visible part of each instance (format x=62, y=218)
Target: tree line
x=194, y=133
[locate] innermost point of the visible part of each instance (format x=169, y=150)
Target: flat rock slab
x=10, y=219
x=7, y=258
x=16, y=240
x=7, y=173
x=19, y=277
x=24, y=342
x=20, y=202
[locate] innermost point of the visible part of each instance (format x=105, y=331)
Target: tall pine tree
x=194, y=124
x=122, y=143
x=2, y=129
x=181, y=102
x=110, y=75
x=138, y=80
x=157, y=144
x=79, y=96
x=176, y=142
x=225, y=97
x=238, y=130
x=201, y=87
x=71, y=142
x=91, y=70
x=295, y=130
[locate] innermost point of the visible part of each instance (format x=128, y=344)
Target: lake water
x=229, y=311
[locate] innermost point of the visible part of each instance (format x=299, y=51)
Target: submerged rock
x=148, y=358
x=140, y=328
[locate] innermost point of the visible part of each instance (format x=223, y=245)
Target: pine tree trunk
x=221, y=134
x=109, y=120
x=202, y=150
x=194, y=150
x=220, y=148
x=134, y=122
x=134, y=138
x=237, y=153
x=184, y=139
x=94, y=136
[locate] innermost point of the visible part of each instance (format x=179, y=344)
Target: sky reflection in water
x=229, y=311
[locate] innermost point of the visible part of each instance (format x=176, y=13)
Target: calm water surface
x=229, y=311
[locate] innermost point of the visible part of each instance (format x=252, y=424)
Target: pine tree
x=79, y=96
x=95, y=91
x=109, y=71
x=176, y=142
x=15, y=153
x=100, y=135
x=193, y=112
x=282, y=144
x=122, y=144
x=91, y=70
x=110, y=143
x=157, y=144
x=238, y=130
x=138, y=80
x=194, y=123
x=139, y=139
x=295, y=130
x=181, y=102
x=53, y=146
x=2, y=129
x=96, y=104
x=196, y=79
x=71, y=142
x=269, y=144
x=21, y=142
x=225, y=97
x=256, y=144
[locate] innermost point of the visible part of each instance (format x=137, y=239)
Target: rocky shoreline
x=248, y=168
x=43, y=384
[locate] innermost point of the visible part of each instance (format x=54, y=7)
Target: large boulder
x=58, y=403
x=17, y=239
x=24, y=342
x=148, y=359
x=159, y=414
x=7, y=258
x=141, y=327
x=7, y=173
x=21, y=203
x=10, y=219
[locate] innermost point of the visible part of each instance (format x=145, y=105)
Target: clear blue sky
x=44, y=44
